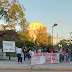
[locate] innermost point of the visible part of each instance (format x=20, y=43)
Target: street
x=29, y=71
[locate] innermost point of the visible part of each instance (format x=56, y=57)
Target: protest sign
x=38, y=58
x=41, y=58
x=52, y=58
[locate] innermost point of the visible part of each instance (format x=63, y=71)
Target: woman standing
x=63, y=54
x=22, y=57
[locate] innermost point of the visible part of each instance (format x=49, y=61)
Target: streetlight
x=52, y=32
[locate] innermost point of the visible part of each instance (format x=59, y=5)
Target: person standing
x=51, y=51
x=22, y=57
x=39, y=50
x=63, y=55
x=48, y=50
x=35, y=50
x=19, y=50
x=66, y=55
x=60, y=55
x=31, y=53
x=69, y=54
x=45, y=50
x=24, y=51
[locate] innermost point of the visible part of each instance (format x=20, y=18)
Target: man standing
x=24, y=51
x=19, y=50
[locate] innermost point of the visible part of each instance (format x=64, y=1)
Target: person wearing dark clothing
x=53, y=50
x=19, y=50
x=66, y=55
x=48, y=50
x=45, y=50
x=69, y=54
x=60, y=55
x=63, y=55
x=29, y=54
x=24, y=51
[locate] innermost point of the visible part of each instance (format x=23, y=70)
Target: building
x=32, y=29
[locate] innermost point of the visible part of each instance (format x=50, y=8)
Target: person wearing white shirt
x=39, y=50
x=19, y=50
x=31, y=53
x=35, y=50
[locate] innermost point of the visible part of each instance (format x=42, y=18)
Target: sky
x=50, y=12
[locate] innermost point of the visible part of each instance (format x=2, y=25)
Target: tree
x=65, y=43
x=4, y=27
x=9, y=35
x=24, y=36
x=22, y=24
x=42, y=37
x=14, y=14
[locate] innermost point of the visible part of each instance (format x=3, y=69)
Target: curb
x=8, y=68
x=54, y=69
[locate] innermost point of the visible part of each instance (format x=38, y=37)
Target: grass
x=11, y=54
x=3, y=59
x=6, y=60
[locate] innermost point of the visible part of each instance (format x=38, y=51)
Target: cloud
x=61, y=21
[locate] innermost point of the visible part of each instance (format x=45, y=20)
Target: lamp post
x=52, y=32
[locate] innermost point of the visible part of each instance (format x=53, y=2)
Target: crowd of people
x=64, y=54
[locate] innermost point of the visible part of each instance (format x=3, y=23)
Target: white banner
x=41, y=58
x=8, y=46
x=52, y=58
x=38, y=58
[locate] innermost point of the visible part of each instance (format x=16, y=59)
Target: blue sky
x=49, y=12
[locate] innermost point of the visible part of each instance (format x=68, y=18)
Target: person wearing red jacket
x=51, y=51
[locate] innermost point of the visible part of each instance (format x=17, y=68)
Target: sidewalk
x=13, y=64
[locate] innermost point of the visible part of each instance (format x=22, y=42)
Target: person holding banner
x=60, y=55
x=63, y=55
x=39, y=50
x=66, y=55
x=35, y=50
x=51, y=51
x=48, y=50
x=45, y=50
